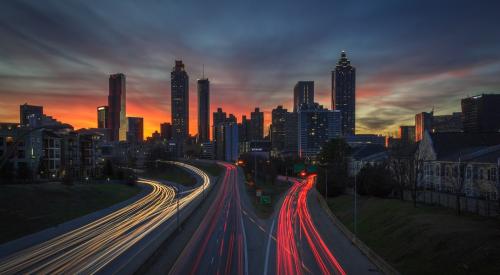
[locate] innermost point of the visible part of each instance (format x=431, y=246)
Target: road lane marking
x=266, y=263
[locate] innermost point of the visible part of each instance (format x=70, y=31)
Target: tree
x=334, y=158
x=375, y=180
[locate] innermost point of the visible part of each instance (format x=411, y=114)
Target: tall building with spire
x=117, y=120
x=179, y=84
x=344, y=93
x=203, y=110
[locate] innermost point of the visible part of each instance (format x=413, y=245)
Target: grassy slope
x=26, y=209
x=430, y=240
x=210, y=168
x=173, y=173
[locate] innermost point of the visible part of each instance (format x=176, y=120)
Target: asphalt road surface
x=99, y=244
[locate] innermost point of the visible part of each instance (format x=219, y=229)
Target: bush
x=375, y=180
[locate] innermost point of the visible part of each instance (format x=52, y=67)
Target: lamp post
x=355, y=206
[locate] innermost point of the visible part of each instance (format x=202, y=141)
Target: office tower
x=166, y=131
x=244, y=129
x=30, y=115
x=135, y=133
x=179, y=82
x=481, y=113
x=278, y=121
x=423, y=122
x=407, y=134
x=203, y=110
x=316, y=126
x=256, y=125
x=303, y=92
x=227, y=141
x=231, y=118
x=447, y=123
x=117, y=121
x=218, y=117
x=102, y=117
x=291, y=134
x=344, y=93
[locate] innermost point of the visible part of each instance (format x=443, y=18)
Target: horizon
x=409, y=57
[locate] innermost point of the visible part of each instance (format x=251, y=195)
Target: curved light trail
x=294, y=216
x=219, y=244
x=88, y=249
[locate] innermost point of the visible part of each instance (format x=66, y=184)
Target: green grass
x=424, y=240
x=210, y=168
x=29, y=208
x=273, y=190
x=171, y=172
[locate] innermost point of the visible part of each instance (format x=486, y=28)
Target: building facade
x=102, y=117
x=316, y=126
x=166, y=131
x=256, y=125
x=203, y=110
x=303, y=92
x=344, y=93
x=407, y=134
x=481, y=113
x=278, y=124
x=30, y=115
x=179, y=84
x=117, y=121
x=135, y=133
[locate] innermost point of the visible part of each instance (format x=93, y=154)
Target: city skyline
x=395, y=78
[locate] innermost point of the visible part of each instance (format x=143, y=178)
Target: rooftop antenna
x=203, y=71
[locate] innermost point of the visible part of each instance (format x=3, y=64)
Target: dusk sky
x=409, y=56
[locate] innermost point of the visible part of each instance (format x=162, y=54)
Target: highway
x=219, y=245
x=91, y=248
x=298, y=240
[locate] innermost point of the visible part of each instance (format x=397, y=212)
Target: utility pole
x=355, y=207
x=326, y=184
x=178, y=225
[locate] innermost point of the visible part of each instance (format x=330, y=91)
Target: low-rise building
x=465, y=163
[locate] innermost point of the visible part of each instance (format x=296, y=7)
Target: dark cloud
x=409, y=54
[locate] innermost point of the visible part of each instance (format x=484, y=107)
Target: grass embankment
x=273, y=190
x=29, y=208
x=171, y=172
x=424, y=240
x=211, y=169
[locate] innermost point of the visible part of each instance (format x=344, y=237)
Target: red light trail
x=294, y=215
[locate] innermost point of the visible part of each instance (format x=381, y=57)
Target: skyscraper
x=316, y=126
x=102, y=117
x=135, y=131
x=203, y=110
x=303, y=92
x=218, y=117
x=278, y=128
x=179, y=82
x=117, y=120
x=481, y=113
x=344, y=93
x=244, y=129
x=256, y=125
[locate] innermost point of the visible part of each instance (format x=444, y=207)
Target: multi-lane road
x=299, y=238
x=219, y=245
x=95, y=246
